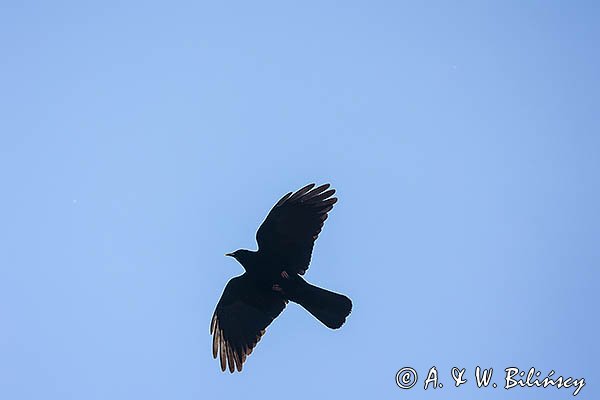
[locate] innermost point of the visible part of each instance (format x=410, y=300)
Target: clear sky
x=141, y=141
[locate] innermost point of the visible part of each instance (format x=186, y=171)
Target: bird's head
x=241, y=255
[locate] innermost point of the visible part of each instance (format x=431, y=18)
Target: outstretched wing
x=240, y=319
x=292, y=226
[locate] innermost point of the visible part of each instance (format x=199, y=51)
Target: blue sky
x=141, y=141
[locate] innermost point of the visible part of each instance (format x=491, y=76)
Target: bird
x=273, y=277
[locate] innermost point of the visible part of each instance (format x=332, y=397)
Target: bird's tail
x=328, y=307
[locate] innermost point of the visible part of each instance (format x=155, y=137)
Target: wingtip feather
x=230, y=359
x=216, y=338
x=302, y=191
x=283, y=199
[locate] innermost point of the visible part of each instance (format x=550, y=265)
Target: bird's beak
x=229, y=254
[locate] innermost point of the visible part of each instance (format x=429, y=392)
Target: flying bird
x=272, y=277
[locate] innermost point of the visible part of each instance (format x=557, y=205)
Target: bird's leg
x=277, y=288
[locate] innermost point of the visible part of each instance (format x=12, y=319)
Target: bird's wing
x=240, y=319
x=293, y=224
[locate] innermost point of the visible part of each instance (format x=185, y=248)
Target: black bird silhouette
x=251, y=301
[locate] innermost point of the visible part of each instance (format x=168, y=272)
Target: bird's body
x=260, y=268
x=251, y=301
